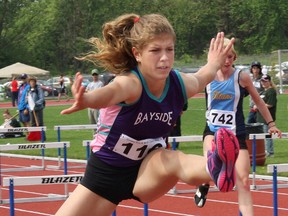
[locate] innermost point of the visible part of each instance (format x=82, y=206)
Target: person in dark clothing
x=269, y=95
x=38, y=100
x=256, y=72
x=62, y=89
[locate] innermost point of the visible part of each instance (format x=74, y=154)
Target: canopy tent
x=19, y=68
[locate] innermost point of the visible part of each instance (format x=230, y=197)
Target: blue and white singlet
x=225, y=104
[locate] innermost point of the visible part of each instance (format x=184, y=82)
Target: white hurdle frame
x=175, y=139
x=253, y=176
x=25, y=130
x=37, y=180
x=42, y=146
x=29, y=146
x=22, y=129
x=58, y=128
x=255, y=137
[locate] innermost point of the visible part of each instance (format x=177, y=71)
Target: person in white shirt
x=96, y=83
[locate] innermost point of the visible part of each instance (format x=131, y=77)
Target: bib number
x=221, y=118
x=137, y=149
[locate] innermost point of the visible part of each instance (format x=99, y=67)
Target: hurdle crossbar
x=22, y=129
x=185, y=138
x=29, y=146
x=267, y=136
x=174, y=140
x=253, y=176
x=37, y=180
x=41, y=129
x=42, y=180
x=75, y=127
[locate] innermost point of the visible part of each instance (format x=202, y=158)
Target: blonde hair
x=114, y=51
x=272, y=84
x=226, y=42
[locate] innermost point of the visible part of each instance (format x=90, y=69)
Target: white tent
x=19, y=68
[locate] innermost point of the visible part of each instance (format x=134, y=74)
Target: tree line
x=50, y=33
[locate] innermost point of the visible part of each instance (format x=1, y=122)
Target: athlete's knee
x=243, y=183
x=169, y=160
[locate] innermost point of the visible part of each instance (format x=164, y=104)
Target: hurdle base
x=50, y=197
x=23, y=169
x=268, y=186
x=266, y=177
x=174, y=190
x=55, y=167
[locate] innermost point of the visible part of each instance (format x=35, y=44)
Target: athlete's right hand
x=78, y=91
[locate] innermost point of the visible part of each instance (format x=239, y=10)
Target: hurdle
x=29, y=146
x=25, y=130
x=11, y=182
x=274, y=168
x=254, y=137
x=175, y=139
x=59, y=128
x=37, y=180
x=253, y=176
x=42, y=129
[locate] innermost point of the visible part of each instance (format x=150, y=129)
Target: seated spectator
x=10, y=122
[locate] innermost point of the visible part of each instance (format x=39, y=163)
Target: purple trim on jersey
x=146, y=118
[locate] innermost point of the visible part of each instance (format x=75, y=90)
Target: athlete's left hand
x=274, y=130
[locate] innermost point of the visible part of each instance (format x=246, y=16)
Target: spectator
x=23, y=106
x=37, y=95
x=10, y=122
x=96, y=83
x=256, y=71
x=14, y=91
x=62, y=89
x=269, y=95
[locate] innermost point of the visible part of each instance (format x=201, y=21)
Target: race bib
x=137, y=149
x=221, y=118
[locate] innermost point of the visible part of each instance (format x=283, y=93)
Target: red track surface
x=178, y=204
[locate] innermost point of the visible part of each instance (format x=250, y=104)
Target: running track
x=169, y=205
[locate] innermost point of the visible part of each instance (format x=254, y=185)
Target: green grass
x=193, y=121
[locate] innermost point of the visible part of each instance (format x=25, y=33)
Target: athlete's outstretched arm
x=217, y=54
x=125, y=88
